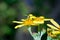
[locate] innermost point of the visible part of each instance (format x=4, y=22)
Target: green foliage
x=3, y=6
x=11, y=2
x=11, y=12
x=5, y=29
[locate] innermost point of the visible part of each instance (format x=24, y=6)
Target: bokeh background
x=11, y=10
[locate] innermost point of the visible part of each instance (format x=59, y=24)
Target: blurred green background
x=11, y=10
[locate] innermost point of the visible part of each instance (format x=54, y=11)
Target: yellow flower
x=55, y=28
x=31, y=20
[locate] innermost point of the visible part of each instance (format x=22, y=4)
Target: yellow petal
x=54, y=23
x=38, y=22
x=56, y=32
x=18, y=26
x=47, y=19
x=48, y=29
x=17, y=22
x=33, y=24
x=52, y=27
x=22, y=19
x=41, y=16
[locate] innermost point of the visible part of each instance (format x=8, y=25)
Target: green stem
x=39, y=29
